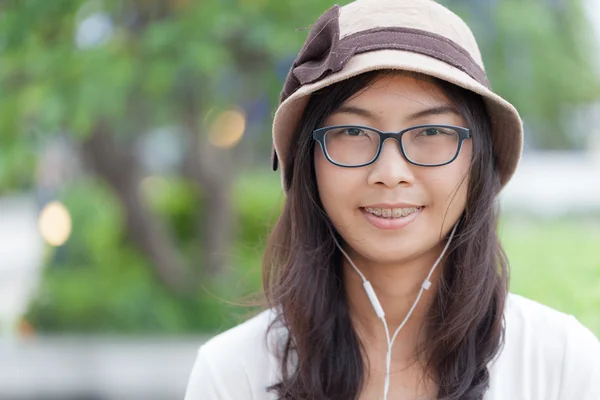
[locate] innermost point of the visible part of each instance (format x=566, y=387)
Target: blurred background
x=136, y=190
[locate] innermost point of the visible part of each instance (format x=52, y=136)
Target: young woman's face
x=392, y=187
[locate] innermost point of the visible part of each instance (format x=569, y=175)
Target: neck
x=397, y=287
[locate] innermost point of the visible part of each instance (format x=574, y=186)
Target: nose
x=391, y=168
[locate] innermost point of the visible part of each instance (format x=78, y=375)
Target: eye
x=435, y=132
x=354, y=132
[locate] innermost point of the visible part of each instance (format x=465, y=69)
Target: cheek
x=335, y=186
x=329, y=185
x=449, y=185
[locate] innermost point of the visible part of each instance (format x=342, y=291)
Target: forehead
x=401, y=88
x=392, y=99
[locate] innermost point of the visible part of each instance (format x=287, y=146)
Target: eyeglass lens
x=355, y=146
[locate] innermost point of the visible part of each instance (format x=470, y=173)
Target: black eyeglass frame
x=319, y=136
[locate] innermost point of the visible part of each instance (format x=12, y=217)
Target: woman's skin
x=396, y=262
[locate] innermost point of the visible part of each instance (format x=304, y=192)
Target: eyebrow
x=439, y=110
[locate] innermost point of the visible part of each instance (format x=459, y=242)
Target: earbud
x=379, y=309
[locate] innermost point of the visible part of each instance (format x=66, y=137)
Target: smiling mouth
x=392, y=213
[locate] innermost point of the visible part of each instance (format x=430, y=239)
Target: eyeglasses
x=424, y=145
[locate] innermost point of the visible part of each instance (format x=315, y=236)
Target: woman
x=384, y=273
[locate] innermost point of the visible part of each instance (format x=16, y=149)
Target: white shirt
x=547, y=355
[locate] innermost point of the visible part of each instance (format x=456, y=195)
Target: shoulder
x=529, y=319
x=247, y=337
x=546, y=354
x=236, y=364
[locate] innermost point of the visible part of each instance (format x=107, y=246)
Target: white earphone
x=379, y=310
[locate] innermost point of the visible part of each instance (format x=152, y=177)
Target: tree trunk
x=212, y=170
x=120, y=170
x=216, y=229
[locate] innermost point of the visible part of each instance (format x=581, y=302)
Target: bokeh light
x=55, y=224
x=227, y=128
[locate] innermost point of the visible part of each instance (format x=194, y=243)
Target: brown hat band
x=324, y=53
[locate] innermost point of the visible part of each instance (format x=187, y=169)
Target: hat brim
x=507, y=127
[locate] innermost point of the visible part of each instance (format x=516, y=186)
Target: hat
x=412, y=35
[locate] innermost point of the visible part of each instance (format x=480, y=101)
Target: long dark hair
x=322, y=358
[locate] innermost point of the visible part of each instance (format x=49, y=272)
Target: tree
x=106, y=73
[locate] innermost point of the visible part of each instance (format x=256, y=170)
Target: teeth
x=392, y=213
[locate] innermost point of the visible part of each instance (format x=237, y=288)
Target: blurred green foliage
x=17, y=165
x=148, y=59
x=538, y=56
x=98, y=282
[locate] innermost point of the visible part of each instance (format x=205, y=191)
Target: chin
x=379, y=254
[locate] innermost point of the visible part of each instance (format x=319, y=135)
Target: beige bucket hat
x=411, y=35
